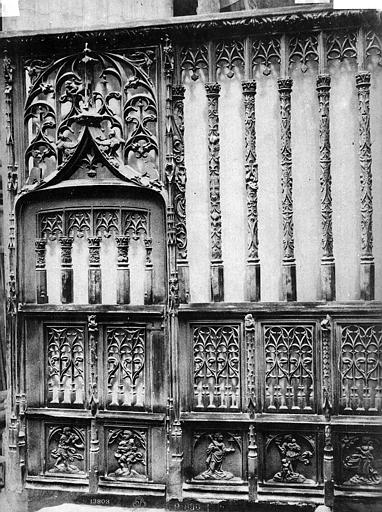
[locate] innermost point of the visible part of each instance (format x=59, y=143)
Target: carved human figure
x=127, y=456
x=361, y=462
x=111, y=143
x=67, y=451
x=216, y=453
x=291, y=453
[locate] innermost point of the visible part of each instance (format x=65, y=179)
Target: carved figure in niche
x=216, y=453
x=66, y=452
x=361, y=462
x=111, y=144
x=128, y=455
x=291, y=454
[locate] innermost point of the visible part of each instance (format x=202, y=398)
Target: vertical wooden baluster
x=123, y=271
x=66, y=270
x=251, y=182
x=328, y=284
x=253, y=462
x=95, y=277
x=148, y=271
x=217, y=271
x=41, y=280
x=289, y=263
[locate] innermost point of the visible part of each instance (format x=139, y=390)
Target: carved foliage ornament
x=180, y=172
x=251, y=169
x=285, y=89
x=323, y=89
x=303, y=48
x=194, y=59
x=213, y=91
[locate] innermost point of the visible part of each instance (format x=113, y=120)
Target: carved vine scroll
x=327, y=258
x=217, y=283
x=289, y=265
x=363, y=80
x=251, y=182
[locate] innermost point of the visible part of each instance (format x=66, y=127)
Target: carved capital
x=363, y=79
x=212, y=89
x=66, y=250
x=285, y=85
x=178, y=92
x=323, y=83
x=40, y=246
x=249, y=86
x=94, y=250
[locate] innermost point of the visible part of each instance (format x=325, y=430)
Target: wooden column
x=94, y=276
x=251, y=183
x=253, y=462
x=66, y=270
x=180, y=180
x=148, y=271
x=216, y=256
x=123, y=271
x=367, y=277
x=289, y=263
x=41, y=282
x=249, y=324
x=328, y=283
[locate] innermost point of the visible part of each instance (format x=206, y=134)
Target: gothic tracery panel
x=125, y=366
x=65, y=366
x=289, y=377
x=216, y=367
x=360, y=367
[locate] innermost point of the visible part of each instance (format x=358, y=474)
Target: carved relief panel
x=360, y=460
x=126, y=454
x=66, y=451
x=290, y=459
x=217, y=457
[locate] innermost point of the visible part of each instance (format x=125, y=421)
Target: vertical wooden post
x=180, y=180
x=289, y=263
x=148, y=271
x=251, y=183
x=123, y=271
x=328, y=468
x=367, y=273
x=252, y=463
x=94, y=276
x=66, y=270
x=328, y=283
x=217, y=270
x=249, y=325
x=41, y=281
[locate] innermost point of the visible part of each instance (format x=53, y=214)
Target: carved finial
x=249, y=321
x=326, y=323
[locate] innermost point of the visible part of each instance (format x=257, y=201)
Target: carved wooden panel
x=217, y=456
x=65, y=366
x=360, y=368
x=194, y=59
x=230, y=57
x=126, y=353
x=290, y=458
x=216, y=367
x=341, y=45
x=66, y=451
x=126, y=454
x=303, y=49
x=289, y=371
x=94, y=99
x=360, y=460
